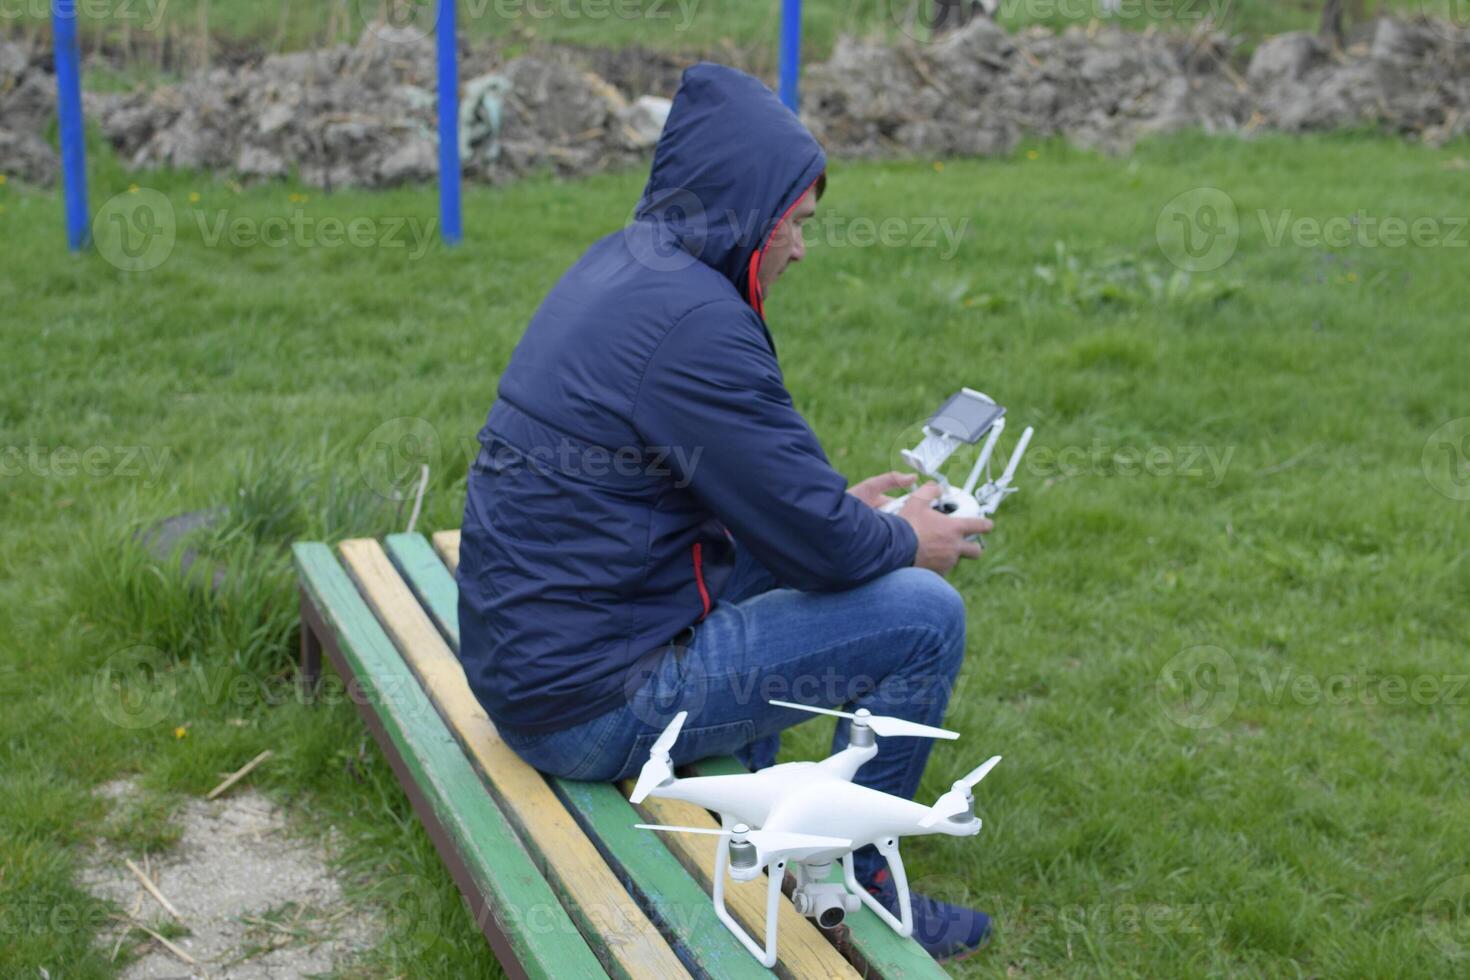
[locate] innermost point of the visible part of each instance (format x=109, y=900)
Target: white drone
x=962, y=420
x=809, y=814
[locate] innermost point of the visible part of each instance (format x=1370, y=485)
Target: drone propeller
x=772, y=844
x=658, y=768
x=958, y=800
x=669, y=735
x=881, y=725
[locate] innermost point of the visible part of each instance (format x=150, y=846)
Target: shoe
x=948, y=933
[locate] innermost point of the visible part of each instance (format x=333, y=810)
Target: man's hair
x=821, y=184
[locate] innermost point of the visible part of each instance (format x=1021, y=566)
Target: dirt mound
x=980, y=89
x=1409, y=77
x=27, y=103
x=257, y=901
x=366, y=116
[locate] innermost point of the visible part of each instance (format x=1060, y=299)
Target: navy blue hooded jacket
x=642, y=426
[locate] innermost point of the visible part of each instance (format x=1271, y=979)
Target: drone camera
x=827, y=903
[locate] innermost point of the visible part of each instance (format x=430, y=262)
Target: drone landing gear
x=776, y=872
x=888, y=847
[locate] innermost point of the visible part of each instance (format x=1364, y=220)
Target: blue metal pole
x=450, y=224
x=790, y=53
x=69, y=115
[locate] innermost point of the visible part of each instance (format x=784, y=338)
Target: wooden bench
x=556, y=875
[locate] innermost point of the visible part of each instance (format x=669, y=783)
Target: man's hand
x=871, y=491
x=941, y=537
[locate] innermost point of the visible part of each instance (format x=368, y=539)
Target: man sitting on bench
x=651, y=526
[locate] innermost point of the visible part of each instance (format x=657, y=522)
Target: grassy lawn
x=1219, y=636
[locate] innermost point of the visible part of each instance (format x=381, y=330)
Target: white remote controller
x=964, y=418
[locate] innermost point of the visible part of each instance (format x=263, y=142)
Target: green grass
x=1296, y=513
x=744, y=31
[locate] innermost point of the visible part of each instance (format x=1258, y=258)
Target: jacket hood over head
x=731, y=163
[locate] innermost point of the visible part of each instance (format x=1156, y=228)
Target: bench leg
x=317, y=638
x=311, y=654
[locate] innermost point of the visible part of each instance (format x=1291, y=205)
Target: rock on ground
x=1406, y=76
x=27, y=103
x=980, y=89
x=365, y=115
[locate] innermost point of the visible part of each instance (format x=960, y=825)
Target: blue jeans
x=893, y=646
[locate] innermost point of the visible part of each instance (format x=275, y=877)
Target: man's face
x=786, y=243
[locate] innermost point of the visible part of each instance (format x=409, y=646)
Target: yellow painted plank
x=447, y=544
x=630, y=944
x=802, y=949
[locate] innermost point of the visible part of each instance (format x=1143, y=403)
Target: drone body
x=810, y=814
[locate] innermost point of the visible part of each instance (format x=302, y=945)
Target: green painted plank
x=886, y=952
x=431, y=581
x=644, y=863
x=542, y=935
